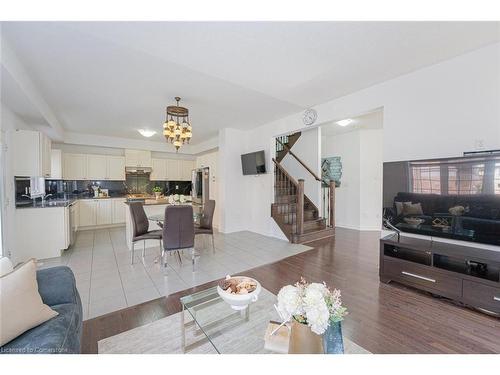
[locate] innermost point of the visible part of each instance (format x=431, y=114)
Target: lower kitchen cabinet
x=41, y=233
x=87, y=212
x=119, y=208
x=101, y=211
x=104, y=213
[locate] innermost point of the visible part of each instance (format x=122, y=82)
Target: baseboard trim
x=371, y=229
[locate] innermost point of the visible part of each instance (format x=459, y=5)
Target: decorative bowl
x=414, y=221
x=239, y=301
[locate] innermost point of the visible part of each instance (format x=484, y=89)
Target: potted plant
x=157, y=190
x=315, y=313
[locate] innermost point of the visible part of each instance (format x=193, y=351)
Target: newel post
x=331, y=212
x=300, y=207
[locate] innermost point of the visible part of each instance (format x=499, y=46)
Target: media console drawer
x=481, y=295
x=423, y=276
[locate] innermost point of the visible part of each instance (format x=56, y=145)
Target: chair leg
x=213, y=243
x=143, y=248
x=179, y=257
x=133, y=249
x=192, y=257
x=159, y=257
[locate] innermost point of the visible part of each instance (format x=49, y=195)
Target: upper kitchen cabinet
x=96, y=167
x=159, y=172
x=186, y=168
x=137, y=158
x=173, y=170
x=93, y=167
x=116, y=168
x=31, y=153
x=74, y=166
x=56, y=164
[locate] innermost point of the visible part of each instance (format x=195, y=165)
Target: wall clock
x=310, y=116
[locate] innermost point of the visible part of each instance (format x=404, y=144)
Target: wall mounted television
x=253, y=163
x=457, y=198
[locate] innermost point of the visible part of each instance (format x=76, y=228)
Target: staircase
x=285, y=143
x=296, y=215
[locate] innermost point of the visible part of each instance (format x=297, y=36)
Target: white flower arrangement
x=176, y=198
x=313, y=304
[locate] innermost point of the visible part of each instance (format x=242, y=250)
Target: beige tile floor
x=107, y=281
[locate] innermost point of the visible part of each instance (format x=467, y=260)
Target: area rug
x=235, y=337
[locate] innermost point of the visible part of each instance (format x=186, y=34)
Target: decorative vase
x=332, y=339
x=303, y=340
x=157, y=195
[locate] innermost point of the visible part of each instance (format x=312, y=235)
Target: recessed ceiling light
x=146, y=133
x=345, y=122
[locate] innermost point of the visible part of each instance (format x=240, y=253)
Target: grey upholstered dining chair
x=140, y=228
x=178, y=231
x=206, y=221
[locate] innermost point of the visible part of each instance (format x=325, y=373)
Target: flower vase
x=332, y=339
x=303, y=340
x=157, y=195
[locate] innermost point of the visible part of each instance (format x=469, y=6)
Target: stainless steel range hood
x=138, y=170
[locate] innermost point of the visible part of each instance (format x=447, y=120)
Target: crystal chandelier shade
x=177, y=128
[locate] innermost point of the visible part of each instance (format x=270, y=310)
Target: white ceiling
x=111, y=78
x=368, y=121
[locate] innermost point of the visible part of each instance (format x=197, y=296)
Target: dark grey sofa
x=61, y=334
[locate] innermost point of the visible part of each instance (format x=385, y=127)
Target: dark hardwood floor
x=383, y=318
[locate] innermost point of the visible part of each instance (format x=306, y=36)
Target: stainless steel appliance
x=200, y=185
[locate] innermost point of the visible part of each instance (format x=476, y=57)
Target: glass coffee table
x=210, y=325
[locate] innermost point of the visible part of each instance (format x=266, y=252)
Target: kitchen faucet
x=45, y=197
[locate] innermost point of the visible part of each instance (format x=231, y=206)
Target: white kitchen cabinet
x=137, y=158
x=41, y=233
x=186, y=167
x=56, y=164
x=159, y=172
x=104, y=212
x=119, y=208
x=96, y=167
x=87, y=212
x=74, y=166
x=173, y=170
x=31, y=153
x=116, y=168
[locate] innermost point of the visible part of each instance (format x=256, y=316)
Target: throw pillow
x=5, y=266
x=399, y=207
x=22, y=307
x=412, y=208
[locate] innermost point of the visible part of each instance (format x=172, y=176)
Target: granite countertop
x=155, y=202
x=60, y=202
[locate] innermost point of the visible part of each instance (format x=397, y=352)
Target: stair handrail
x=292, y=180
x=300, y=161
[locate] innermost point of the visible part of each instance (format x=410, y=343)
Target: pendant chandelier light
x=177, y=129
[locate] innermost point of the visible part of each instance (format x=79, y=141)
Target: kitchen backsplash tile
x=133, y=184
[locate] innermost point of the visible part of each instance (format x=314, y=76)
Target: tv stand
x=465, y=274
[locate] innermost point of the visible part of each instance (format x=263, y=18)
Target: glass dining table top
x=160, y=218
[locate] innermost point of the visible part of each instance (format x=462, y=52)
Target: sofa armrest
x=57, y=285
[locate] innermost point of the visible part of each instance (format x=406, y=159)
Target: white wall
x=347, y=196
x=437, y=111
x=308, y=149
x=210, y=160
x=370, y=180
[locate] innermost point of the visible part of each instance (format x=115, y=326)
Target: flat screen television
x=456, y=198
x=253, y=163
